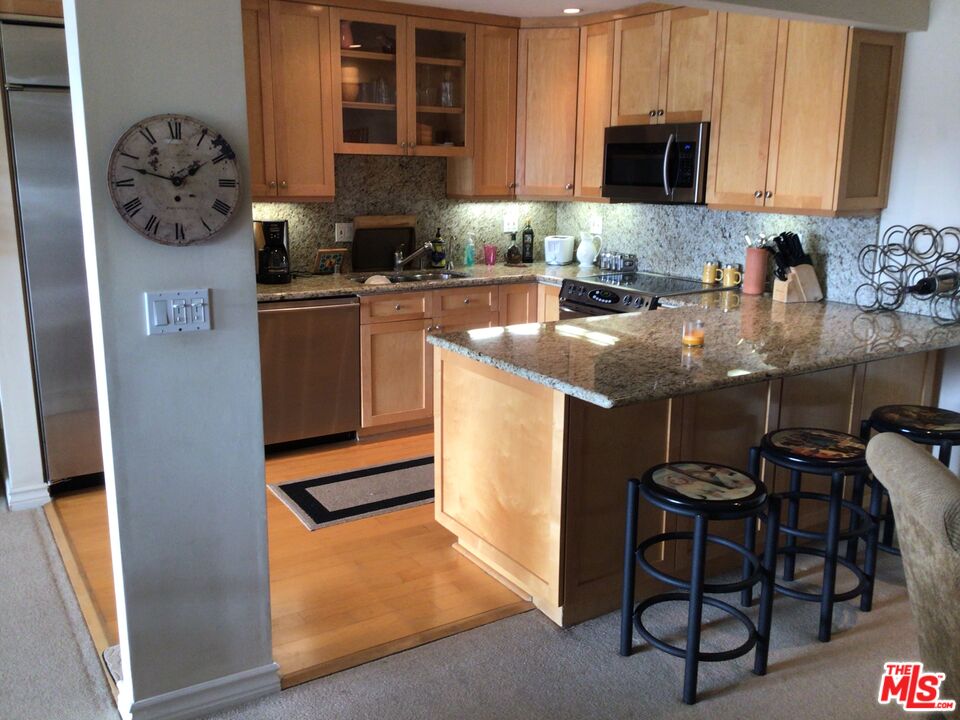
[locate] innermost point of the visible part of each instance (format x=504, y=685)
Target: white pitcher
x=589, y=249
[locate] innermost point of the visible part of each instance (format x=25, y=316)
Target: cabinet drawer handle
x=768, y=194
x=283, y=184
x=758, y=194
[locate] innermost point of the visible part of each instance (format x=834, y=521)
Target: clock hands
x=172, y=178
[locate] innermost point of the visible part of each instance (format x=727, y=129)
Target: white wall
x=22, y=462
x=181, y=414
x=925, y=181
x=900, y=15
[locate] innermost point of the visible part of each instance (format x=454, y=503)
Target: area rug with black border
x=337, y=498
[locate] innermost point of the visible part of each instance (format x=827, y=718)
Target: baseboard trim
x=203, y=698
x=28, y=497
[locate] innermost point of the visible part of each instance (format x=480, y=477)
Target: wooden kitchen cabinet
x=492, y=170
x=404, y=84
x=663, y=67
x=547, y=112
x=396, y=372
x=548, y=303
x=593, y=106
x=803, y=116
x=518, y=303
x=287, y=61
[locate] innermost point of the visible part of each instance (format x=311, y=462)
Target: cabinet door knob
x=659, y=113
x=412, y=145
x=512, y=186
x=758, y=194
x=768, y=194
x=283, y=184
x=397, y=306
x=568, y=186
x=403, y=145
x=653, y=113
x=273, y=184
x=466, y=301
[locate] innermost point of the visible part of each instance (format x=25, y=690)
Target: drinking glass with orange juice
x=693, y=333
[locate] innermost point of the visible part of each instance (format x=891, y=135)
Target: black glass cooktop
x=650, y=283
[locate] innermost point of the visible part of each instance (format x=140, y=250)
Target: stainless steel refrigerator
x=40, y=129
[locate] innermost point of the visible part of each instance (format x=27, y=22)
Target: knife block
x=801, y=285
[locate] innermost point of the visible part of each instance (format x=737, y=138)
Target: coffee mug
x=711, y=272
x=730, y=276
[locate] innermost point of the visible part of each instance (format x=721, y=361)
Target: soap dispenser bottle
x=470, y=250
x=438, y=258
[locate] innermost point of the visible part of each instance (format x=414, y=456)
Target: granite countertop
x=617, y=360
x=309, y=287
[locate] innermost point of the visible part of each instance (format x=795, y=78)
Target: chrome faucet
x=399, y=261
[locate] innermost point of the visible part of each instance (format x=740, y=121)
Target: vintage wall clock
x=174, y=179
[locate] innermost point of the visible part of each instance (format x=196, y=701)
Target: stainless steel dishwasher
x=310, y=368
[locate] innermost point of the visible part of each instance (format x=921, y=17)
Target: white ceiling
x=528, y=8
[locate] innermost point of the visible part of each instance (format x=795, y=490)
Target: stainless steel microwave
x=656, y=163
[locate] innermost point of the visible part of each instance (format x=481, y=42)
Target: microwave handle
x=666, y=166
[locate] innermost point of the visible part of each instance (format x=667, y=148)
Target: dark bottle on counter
x=438, y=258
x=940, y=284
x=514, y=256
x=526, y=243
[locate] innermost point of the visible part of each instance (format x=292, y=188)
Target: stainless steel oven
x=656, y=163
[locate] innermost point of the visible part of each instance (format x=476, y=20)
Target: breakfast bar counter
x=539, y=426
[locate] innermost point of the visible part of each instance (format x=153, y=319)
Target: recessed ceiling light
x=571, y=11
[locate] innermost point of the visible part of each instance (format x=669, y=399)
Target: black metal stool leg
x=945, y=448
x=873, y=537
x=857, y=499
x=830, y=558
x=889, y=521
x=865, y=428
x=793, y=513
x=767, y=588
x=695, y=610
x=629, y=567
x=750, y=532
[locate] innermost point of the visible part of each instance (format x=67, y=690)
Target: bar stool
x=819, y=452
x=704, y=492
x=921, y=424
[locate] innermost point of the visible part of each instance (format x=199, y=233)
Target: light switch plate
x=511, y=221
x=596, y=224
x=177, y=311
x=343, y=232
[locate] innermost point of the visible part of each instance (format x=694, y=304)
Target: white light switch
x=511, y=220
x=343, y=232
x=596, y=224
x=175, y=311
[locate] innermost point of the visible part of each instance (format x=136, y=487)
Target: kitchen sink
x=415, y=276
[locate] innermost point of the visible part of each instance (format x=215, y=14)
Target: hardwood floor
x=341, y=595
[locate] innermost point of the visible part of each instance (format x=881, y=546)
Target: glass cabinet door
x=369, y=82
x=441, y=72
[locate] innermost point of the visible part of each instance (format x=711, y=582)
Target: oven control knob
x=627, y=299
x=580, y=289
x=639, y=302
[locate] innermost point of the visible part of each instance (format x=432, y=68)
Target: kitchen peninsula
x=538, y=426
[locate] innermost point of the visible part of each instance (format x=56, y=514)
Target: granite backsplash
x=673, y=239
x=383, y=185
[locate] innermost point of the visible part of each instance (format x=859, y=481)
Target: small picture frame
x=328, y=261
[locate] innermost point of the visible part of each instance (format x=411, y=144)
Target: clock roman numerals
x=126, y=182
x=132, y=207
x=202, y=136
x=148, y=135
x=128, y=155
x=221, y=207
x=227, y=182
x=175, y=129
x=152, y=225
x=209, y=229
x=178, y=232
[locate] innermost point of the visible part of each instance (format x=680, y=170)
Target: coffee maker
x=273, y=251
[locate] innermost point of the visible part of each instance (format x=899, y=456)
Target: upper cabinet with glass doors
x=403, y=85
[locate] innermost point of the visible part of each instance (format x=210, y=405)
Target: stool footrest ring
x=715, y=588
x=860, y=531
x=816, y=597
x=680, y=652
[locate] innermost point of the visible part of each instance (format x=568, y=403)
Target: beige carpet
x=523, y=667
